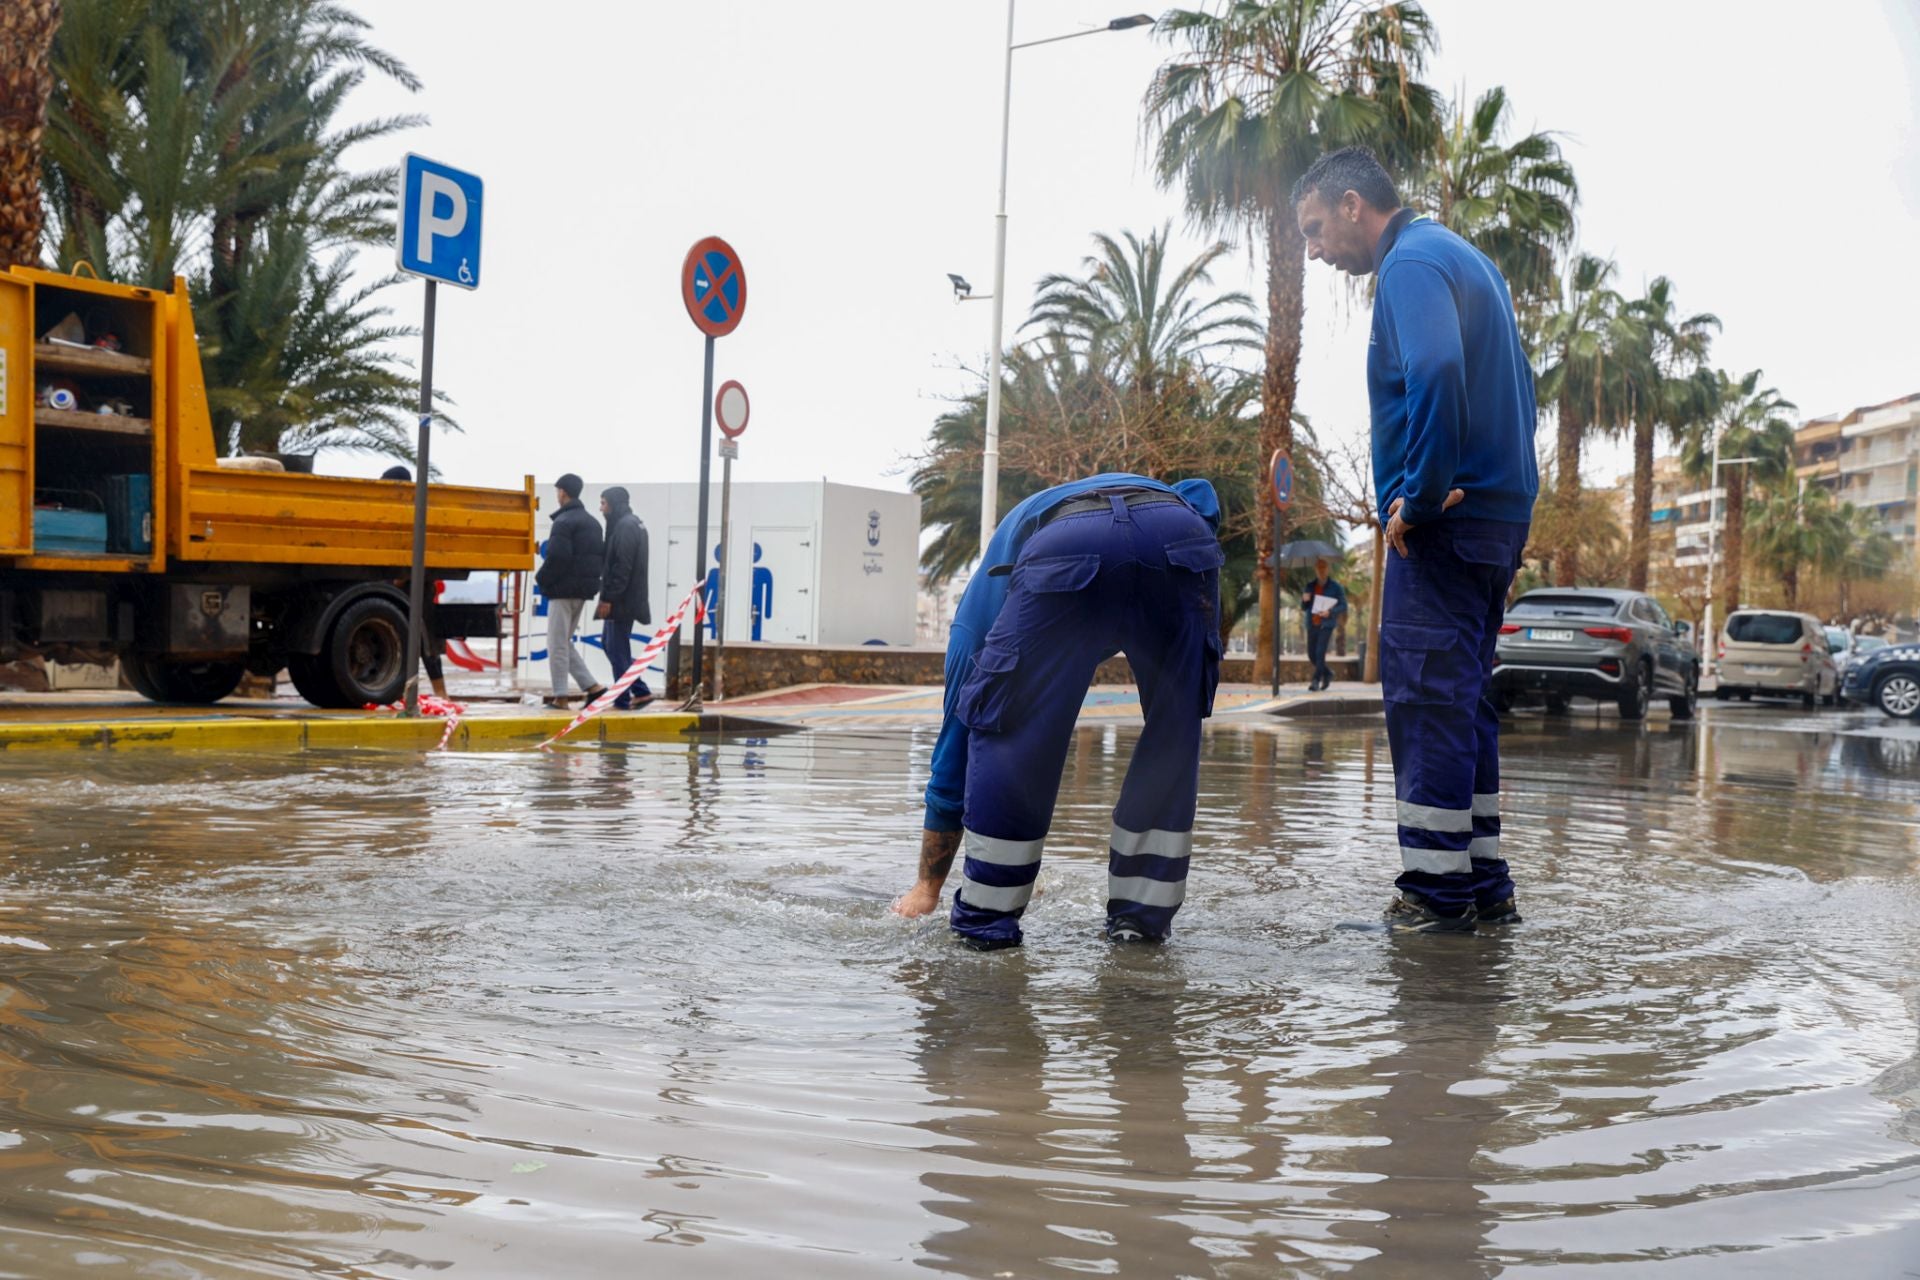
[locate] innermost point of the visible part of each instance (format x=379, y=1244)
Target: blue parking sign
x=439, y=222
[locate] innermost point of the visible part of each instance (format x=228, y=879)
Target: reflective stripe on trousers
x=1442, y=606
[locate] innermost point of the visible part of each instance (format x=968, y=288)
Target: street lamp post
x=1707, y=637
x=990, y=455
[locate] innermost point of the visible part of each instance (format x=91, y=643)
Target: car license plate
x=1753, y=670
x=1548, y=633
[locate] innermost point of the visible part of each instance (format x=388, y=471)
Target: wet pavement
x=641, y=1011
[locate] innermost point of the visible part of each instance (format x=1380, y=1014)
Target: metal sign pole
x=1279, y=529
x=700, y=542
x=728, y=449
x=417, y=592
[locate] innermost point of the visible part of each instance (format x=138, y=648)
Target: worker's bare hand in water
x=937, y=849
x=1398, y=529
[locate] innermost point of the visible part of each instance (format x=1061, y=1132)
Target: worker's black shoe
x=1130, y=931
x=986, y=944
x=1504, y=912
x=1409, y=913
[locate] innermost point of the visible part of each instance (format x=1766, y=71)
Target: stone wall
x=758, y=668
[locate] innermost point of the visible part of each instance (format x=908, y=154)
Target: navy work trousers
x=1440, y=617
x=616, y=637
x=1318, y=638
x=1144, y=580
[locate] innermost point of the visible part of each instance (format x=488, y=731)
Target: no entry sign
x=1282, y=479
x=714, y=286
x=730, y=408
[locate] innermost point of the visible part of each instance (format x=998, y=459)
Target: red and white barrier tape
x=433, y=705
x=696, y=600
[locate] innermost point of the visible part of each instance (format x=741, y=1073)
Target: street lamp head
x=960, y=287
x=1126, y=24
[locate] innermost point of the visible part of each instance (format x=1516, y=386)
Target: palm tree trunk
x=1286, y=278
x=1641, y=537
x=1735, y=537
x=1790, y=580
x=1566, y=557
x=26, y=82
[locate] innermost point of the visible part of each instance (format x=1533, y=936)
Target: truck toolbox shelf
x=59, y=358
x=110, y=423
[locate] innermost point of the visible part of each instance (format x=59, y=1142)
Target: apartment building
x=1871, y=458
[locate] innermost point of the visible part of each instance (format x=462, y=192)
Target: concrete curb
x=384, y=732
x=1337, y=704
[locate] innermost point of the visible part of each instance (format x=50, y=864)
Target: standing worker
x=1322, y=619
x=623, y=591
x=568, y=578
x=1453, y=421
x=1072, y=576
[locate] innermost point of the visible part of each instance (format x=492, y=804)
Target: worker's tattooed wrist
x=937, y=850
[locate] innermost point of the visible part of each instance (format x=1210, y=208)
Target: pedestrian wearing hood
x=623, y=591
x=568, y=578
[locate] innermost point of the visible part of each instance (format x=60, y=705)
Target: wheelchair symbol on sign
x=466, y=272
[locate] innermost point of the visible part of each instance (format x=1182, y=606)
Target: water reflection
x=525, y=1014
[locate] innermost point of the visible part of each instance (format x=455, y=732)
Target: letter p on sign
x=439, y=232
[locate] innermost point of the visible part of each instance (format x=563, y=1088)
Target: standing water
x=644, y=1012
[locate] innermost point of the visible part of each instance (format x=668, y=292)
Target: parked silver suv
x=1561, y=643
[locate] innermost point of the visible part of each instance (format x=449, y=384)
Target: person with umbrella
x=1324, y=603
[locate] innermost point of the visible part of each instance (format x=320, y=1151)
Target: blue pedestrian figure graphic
x=762, y=593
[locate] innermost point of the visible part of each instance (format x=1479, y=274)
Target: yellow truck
x=122, y=529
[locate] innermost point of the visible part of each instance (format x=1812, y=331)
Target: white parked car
x=1778, y=655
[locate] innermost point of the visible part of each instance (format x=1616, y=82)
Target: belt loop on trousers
x=1119, y=501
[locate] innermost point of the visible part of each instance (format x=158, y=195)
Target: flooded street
x=643, y=1012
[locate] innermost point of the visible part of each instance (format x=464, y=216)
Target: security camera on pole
x=730, y=409
x=439, y=240
x=713, y=285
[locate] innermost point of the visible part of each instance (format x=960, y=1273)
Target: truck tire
x=366, y=653
x=1634, y=694
x=198, y=683
x=313, y=680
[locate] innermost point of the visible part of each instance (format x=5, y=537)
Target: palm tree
x=1799, y=527
x=1578, y=337
x=27, y=30
x=1867, y=555
x=1258, y=91
x=1125, y=312
x=1750, y=423
x=203, y=138
x=1665, y=389
x=1514, y=200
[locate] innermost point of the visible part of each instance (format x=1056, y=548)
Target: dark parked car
x=1887, y=678
x=1562, y=643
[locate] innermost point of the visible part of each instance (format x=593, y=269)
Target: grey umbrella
x=1301, y=555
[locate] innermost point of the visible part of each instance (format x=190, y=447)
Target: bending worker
x=1102, y=565
x=1453, y=416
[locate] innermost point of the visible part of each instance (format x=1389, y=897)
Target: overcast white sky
x=1764, y=155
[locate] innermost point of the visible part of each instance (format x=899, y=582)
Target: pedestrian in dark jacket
x=623, y=590
x=568, y=578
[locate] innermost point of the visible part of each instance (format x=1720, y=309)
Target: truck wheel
x=1633, y=694
x=194, y=682
x=366, y=653
x=313, y=680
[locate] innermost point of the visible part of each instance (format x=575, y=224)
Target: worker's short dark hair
x=1353, y=169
